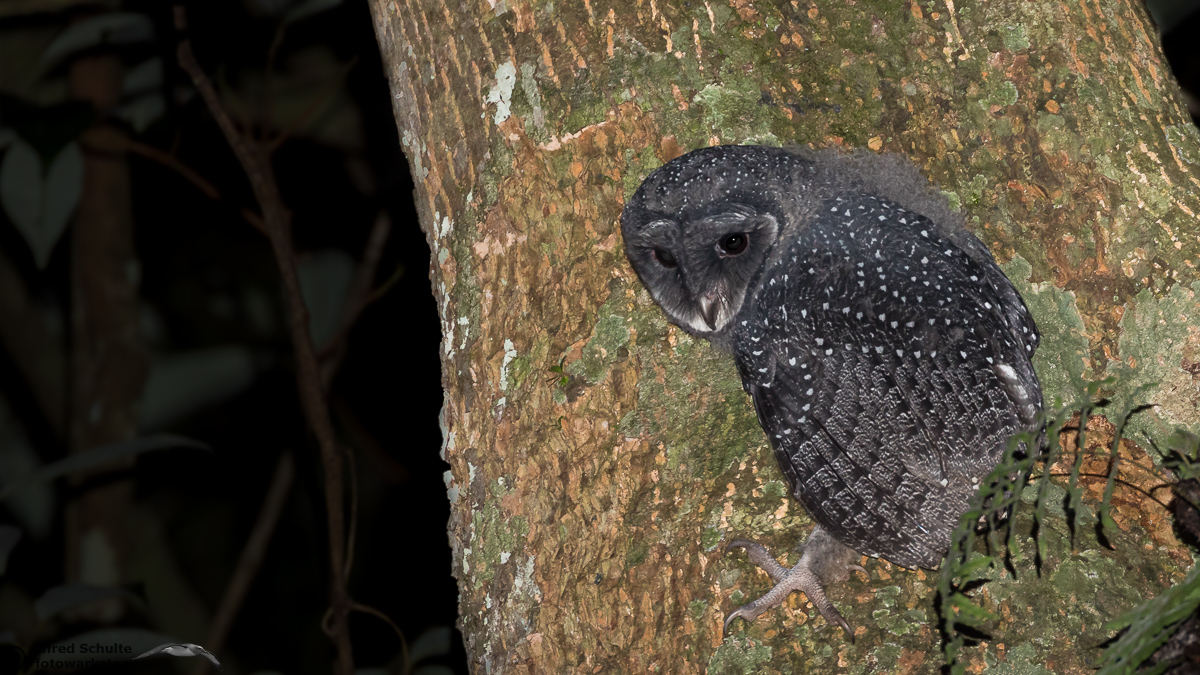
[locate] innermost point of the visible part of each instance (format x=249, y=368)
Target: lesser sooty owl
x=887, y=356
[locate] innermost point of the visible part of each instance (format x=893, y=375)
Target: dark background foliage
x=208, y=280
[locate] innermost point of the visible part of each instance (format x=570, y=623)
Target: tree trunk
x=590, y=508
x=109, y=358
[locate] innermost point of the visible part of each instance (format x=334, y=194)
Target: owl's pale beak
x=708, y=310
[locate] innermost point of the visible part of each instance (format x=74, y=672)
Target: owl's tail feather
x=821, y=563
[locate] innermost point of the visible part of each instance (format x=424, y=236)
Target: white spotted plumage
x=889, y=441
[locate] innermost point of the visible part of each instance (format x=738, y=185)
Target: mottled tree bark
x=589, y=509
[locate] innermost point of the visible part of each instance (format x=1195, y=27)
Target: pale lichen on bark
x=588, y=515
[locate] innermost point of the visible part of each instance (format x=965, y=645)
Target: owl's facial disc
x=723, y=252
x=700, y=266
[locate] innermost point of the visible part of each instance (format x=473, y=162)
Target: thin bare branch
x=255, y=162
x=359, y=607
x=251, y=558
x=170, y=161
x=357, y=298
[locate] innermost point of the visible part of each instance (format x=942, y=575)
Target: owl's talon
x=824, y=560
x=739, y=543
x=749, y=611
x=761, y=558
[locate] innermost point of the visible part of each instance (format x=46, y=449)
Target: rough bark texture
x=589, y=511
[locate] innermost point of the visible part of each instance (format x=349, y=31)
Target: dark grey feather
x=888, y=357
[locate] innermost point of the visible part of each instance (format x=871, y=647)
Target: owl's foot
x=825, y=560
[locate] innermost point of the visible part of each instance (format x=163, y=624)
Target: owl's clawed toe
x=803, y=577
x=741, y=543
x=762, y=560
x=749, y=611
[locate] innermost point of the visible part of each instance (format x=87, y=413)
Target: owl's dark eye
x=665, y=258
x=733, y=244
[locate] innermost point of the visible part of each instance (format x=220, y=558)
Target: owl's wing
x=887, y=374
x=1019, y=320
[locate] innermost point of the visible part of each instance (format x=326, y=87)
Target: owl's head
x=699, y=229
